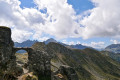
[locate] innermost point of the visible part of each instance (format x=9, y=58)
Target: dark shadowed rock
x=38, y=61
x=65, y=73
x=6, y=45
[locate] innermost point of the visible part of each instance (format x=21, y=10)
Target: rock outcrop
x=65, y=73
x=38, y=61
x=6, y=45
x=7, y=58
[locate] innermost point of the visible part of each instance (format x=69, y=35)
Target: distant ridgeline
x=115, y=48
x=29, y=43
x=112, y=51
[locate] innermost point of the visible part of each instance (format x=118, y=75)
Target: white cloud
x=115, y=41
x=97, y=45
x=69, y=43
x=19, y=35
x=64, y=41
x=78, y=42
x=22, y=21
x=60, y=19
x=103, y=20
x=37, y=36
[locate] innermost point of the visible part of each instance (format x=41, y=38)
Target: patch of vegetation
x=22, y=57
x=88, y=63
x=112, y=55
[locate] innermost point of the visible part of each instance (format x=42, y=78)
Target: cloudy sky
x=93, y=23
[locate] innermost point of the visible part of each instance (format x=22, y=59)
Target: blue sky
x=27, y=3
x=79, y=6
x=88, y=22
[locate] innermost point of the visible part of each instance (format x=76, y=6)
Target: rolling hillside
x=112, y=55
x=88, y=63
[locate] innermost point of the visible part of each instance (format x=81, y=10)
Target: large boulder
x=6, y=45
x=7, y=57
x=65, y=73
x=39, y=63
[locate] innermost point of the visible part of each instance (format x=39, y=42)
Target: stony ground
x=21, y=60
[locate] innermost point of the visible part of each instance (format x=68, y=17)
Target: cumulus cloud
x=64, y=41
x=18, y=35
x=21, y=21
x=69, y=43
x=60, y=19
x=103, y=20
x=97, y=45
x=115, y=41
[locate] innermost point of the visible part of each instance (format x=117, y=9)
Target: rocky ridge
x=38, y=66
x=89, y=64
x=115, y=48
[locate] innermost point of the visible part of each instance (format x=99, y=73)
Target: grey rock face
x=38, y=60
x=6, y=45
x=7, y=58
x=67, y=73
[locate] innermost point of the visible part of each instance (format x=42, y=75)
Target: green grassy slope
x=88, y=63
x=112, y=55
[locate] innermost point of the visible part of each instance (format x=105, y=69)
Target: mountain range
x=89, y=64
x=115, y=48
x=112, y=55
x=111, y=50
x=29, y=43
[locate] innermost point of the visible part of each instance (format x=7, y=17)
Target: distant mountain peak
x=115, y=48
x=81, y=60
x=27, y=43
x=50, y=40
x=78, y=46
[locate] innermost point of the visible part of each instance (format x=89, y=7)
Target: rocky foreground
x=37, y=67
